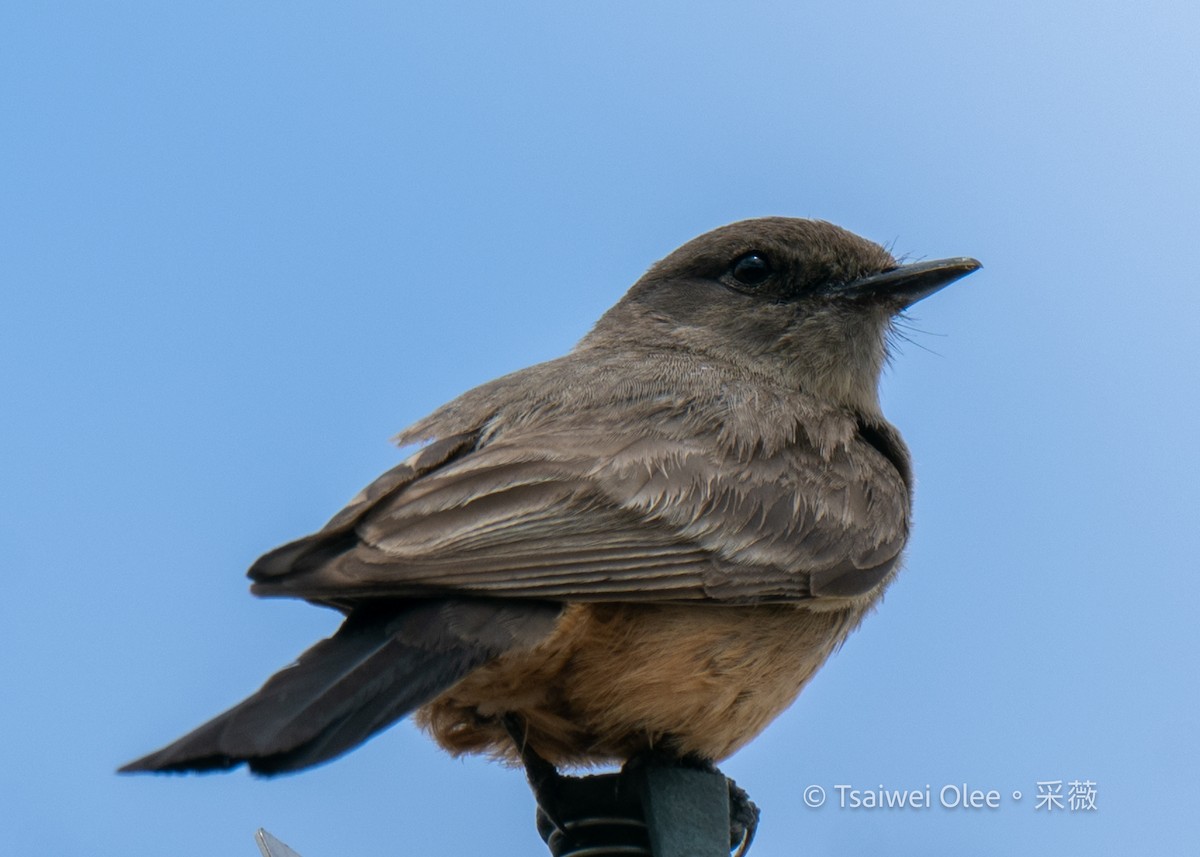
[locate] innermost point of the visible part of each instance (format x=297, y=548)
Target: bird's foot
x=546, y=783
x=743, y=818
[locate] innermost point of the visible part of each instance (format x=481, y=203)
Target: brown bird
x=651, y=543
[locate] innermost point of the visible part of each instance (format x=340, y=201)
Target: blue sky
x=241, y=245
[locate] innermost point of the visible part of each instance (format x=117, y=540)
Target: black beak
x=906, y=285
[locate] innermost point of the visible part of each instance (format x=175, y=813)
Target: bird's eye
x=751, y=269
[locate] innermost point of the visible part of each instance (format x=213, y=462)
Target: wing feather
x=584, y=516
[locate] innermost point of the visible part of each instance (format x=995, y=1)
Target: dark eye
x=751, y=269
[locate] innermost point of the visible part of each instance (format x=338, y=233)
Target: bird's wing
x=589, y=516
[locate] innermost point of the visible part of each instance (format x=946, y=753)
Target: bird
x=649, y=544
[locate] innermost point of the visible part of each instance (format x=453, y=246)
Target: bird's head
x=799, y=302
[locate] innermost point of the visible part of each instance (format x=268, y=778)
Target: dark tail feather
x=384, y=662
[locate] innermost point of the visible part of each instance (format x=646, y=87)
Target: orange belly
x=615, y=679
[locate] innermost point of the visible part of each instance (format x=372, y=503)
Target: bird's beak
x=906, y=285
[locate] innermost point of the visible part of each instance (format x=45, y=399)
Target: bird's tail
x=385, y=661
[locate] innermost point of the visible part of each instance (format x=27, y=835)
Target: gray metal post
x=647, y=810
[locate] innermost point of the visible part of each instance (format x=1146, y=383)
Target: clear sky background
x=242, y=244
